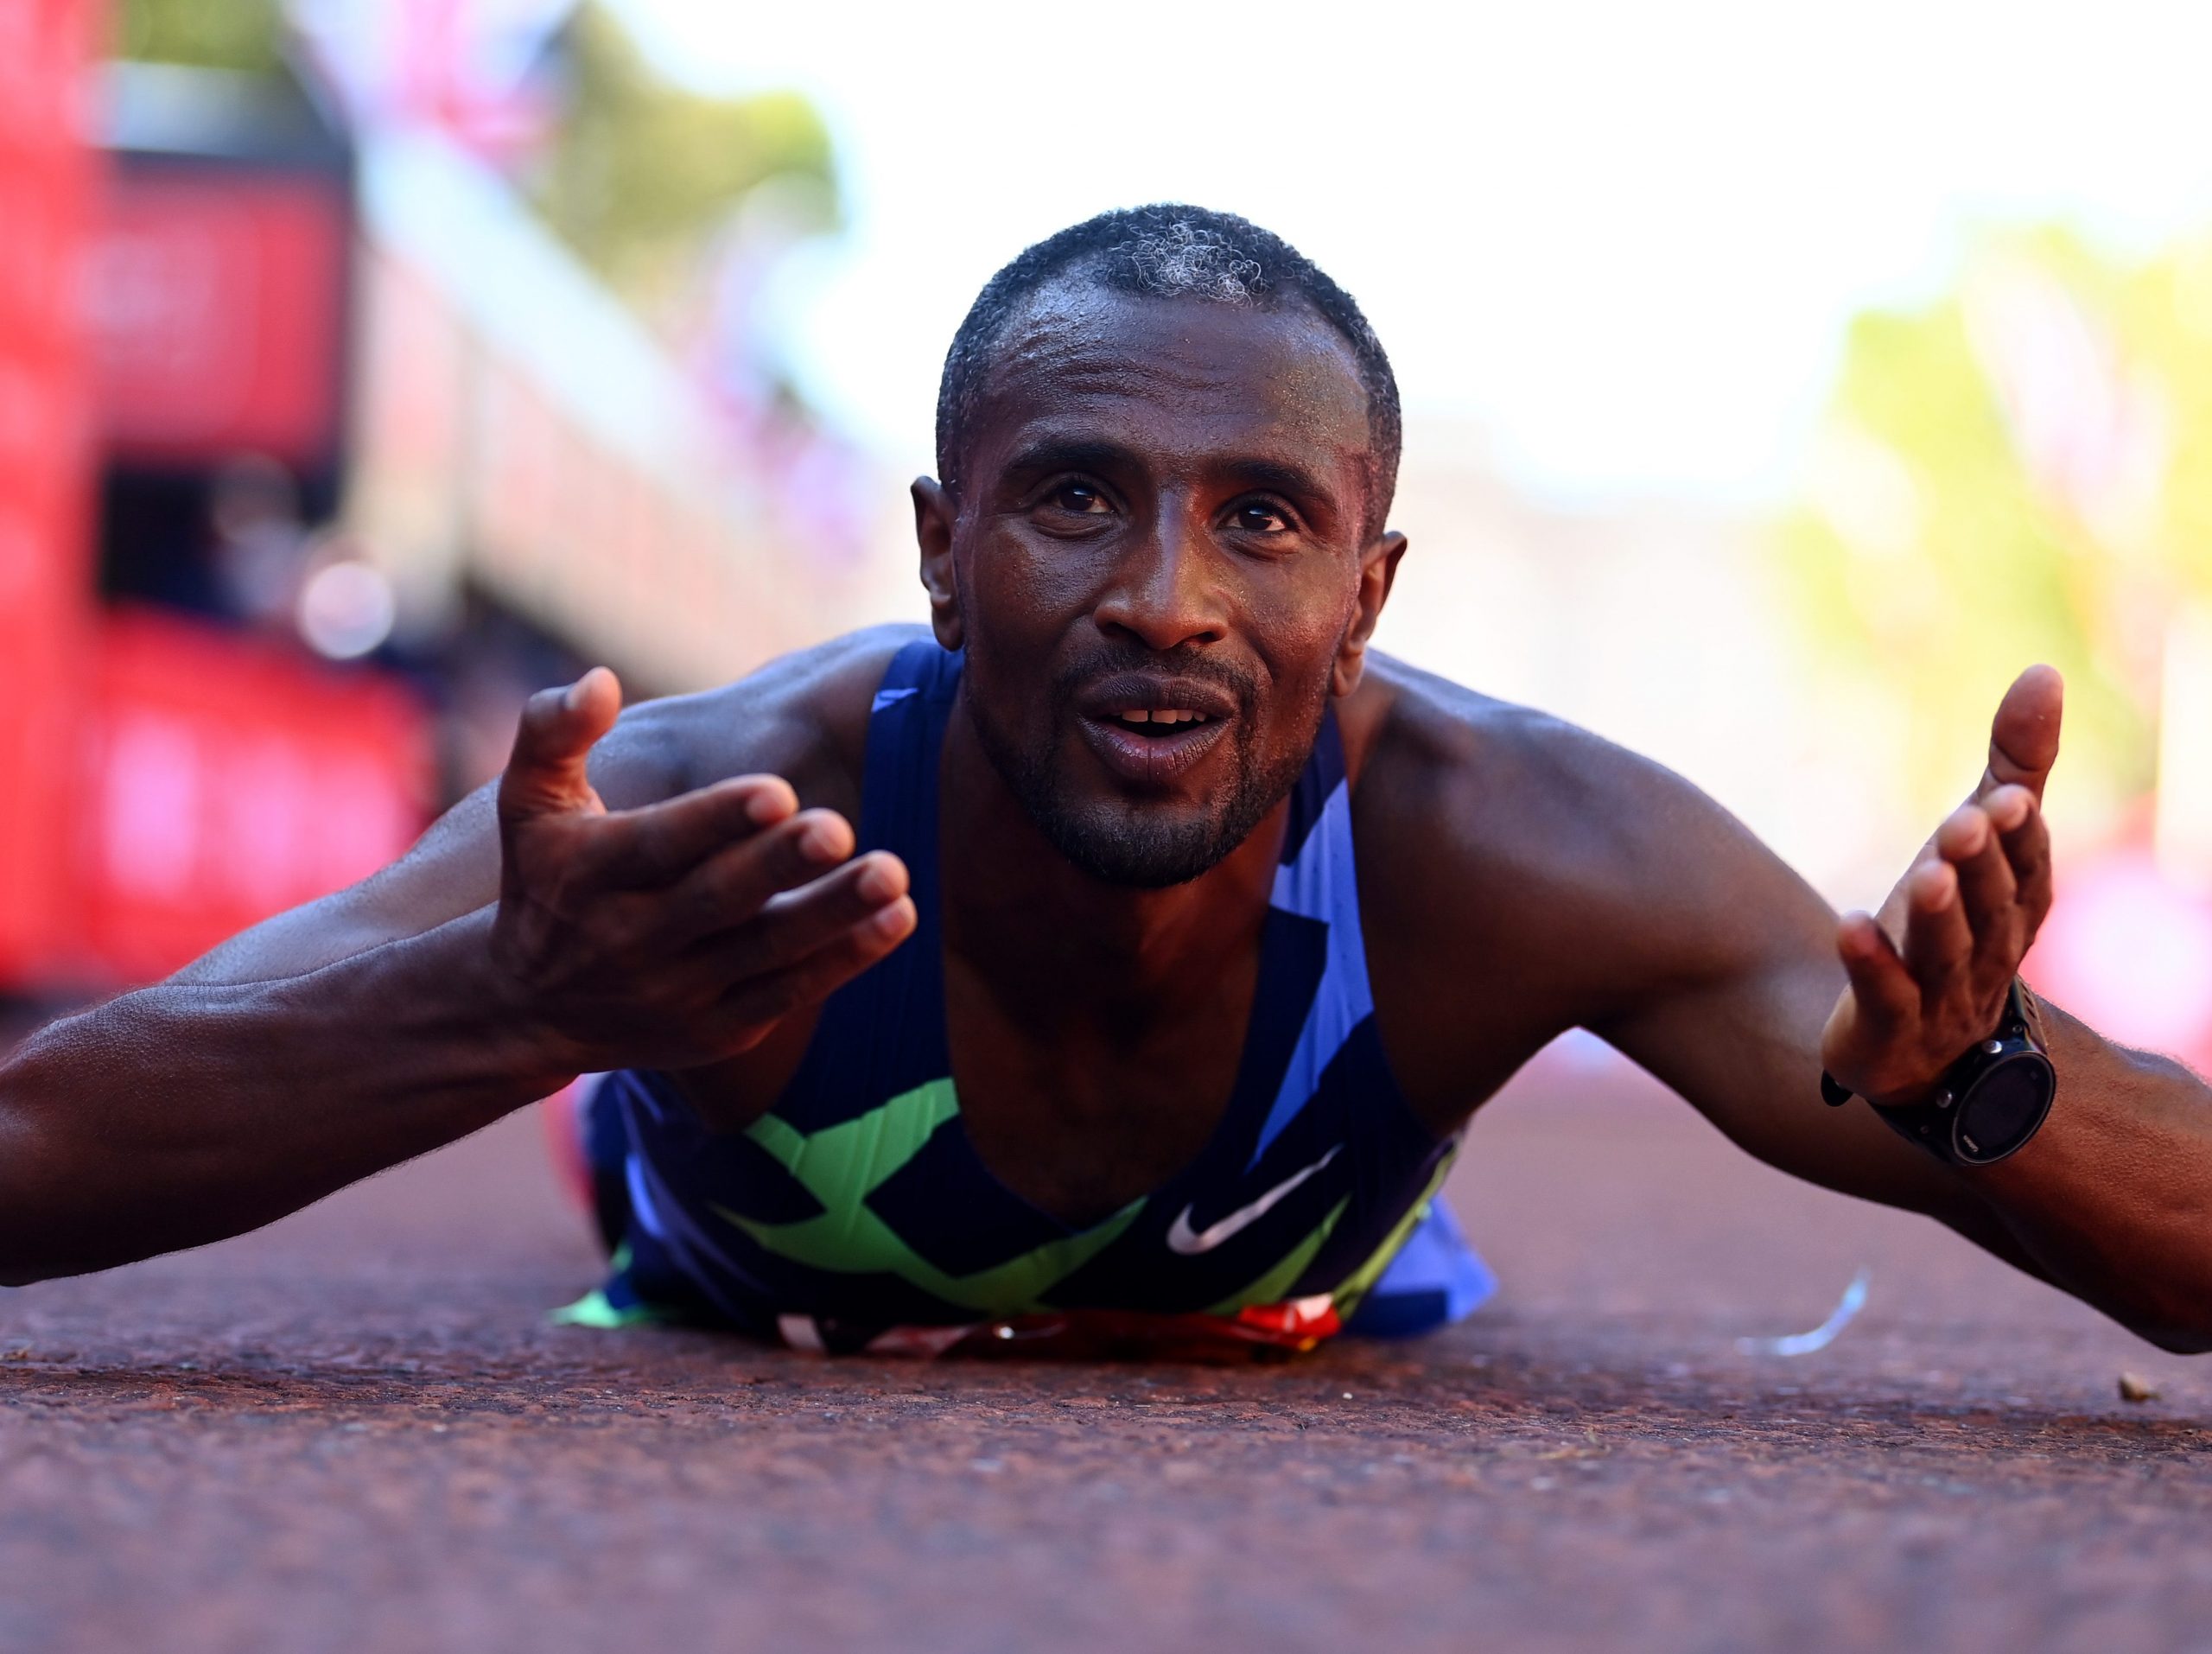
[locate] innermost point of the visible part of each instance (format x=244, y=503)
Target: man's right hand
x=680, y=934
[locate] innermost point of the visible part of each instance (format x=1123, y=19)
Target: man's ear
x=1377, y=568
x=934, y=513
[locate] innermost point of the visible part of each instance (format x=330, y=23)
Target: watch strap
x=1940, y=1123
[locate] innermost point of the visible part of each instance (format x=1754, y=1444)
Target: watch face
x=2004, y=1106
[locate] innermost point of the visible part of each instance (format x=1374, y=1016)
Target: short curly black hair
x=1170, y=250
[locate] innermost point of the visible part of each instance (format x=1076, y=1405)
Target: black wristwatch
x=1991, y=1102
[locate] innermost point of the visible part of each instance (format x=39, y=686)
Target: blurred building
x=335, y=455
x=523, y=439
x=47, y=183
x=1665, y=628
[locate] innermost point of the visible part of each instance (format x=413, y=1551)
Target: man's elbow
x=2170, y=1314
x=18, y=1265
x=20, y=1262
x=26, y=1226
x=2174, y=1340
x=28, y=1257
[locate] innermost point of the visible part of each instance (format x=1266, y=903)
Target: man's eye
x=1255, y=517
x=1080, y=500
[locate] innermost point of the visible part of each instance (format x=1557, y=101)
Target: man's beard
x=1120, y=842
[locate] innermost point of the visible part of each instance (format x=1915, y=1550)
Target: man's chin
x=1141, y=842
x=1138, y=848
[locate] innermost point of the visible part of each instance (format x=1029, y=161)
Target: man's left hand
x=1929, y=973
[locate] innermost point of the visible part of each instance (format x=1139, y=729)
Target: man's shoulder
x=802, y=716
x=1492, y=830
x=1493, y=785
x=1508, y=863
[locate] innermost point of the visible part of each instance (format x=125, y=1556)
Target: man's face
x=1156, y=563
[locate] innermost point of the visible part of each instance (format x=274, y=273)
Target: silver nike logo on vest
x=1180, y=1237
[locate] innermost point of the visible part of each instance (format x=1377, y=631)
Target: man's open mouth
x=1152, y=721
x=1150, y=732
x=1154, y=749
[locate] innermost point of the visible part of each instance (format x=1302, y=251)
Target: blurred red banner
x=46, y=186
x=162, y=783
x=229, y=781
x=218, y=315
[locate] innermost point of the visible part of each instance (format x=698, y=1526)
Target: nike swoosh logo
x=1181, y=1239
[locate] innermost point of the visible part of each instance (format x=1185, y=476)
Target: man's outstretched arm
x=185, y=1112
x=2111, y=1199
x=480, y=974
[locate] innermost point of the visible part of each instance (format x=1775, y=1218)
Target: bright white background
x=1623, y=239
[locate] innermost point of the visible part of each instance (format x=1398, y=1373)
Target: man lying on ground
x=1184, y=939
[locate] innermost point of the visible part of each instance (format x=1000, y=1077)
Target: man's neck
x=1050, y=938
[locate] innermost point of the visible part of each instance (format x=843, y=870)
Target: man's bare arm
x=1538, y=878
x=516, y=947
x=2112, y=1201
x=188, y=1111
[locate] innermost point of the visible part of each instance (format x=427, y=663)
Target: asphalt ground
x=356, y=1431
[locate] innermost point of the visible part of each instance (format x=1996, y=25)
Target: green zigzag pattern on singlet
x=842, y=1165
x=1355, y=1286
x=1274, y=1286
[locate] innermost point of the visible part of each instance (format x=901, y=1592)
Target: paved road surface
x=354, y=1432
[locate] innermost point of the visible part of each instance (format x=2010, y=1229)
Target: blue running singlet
x=855, y=1214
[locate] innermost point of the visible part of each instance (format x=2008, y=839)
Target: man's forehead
x=1078, y=352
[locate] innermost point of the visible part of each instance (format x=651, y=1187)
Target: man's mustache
x=1182, y=661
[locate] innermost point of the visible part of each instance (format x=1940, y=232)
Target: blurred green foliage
x=206, y=34
x=642, y=175
x=2021, y=471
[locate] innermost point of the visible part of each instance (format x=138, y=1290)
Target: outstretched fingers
x=2024, y=735
x=546, y=772
x=795, y=924
x=2019, y=820
x=1926, y=978
x=1938, y=940
x=736, y=888
x=662, y=844
x=1885, y=992
x=759, y=1000
x=1988, y=892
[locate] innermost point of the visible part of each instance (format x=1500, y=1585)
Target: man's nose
x=1166, y=590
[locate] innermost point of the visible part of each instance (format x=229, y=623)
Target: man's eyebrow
x=1277, y=476
x=1068, y=454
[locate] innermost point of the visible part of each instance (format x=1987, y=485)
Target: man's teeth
x=1162, y=715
